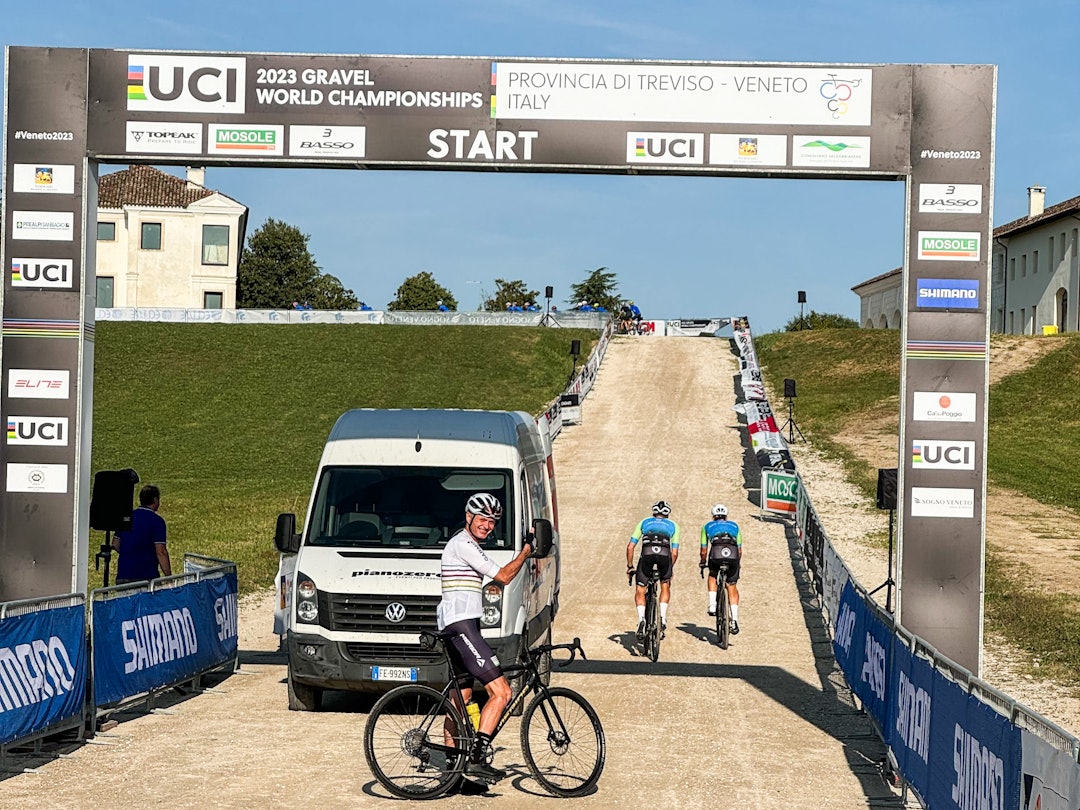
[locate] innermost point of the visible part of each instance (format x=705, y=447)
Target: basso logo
x=665, y=147
x=186, y=83
x=38, y=430
x=255, y=140
x=54, y=273
x=330, y=141
x=927, y=454
x=943, y=198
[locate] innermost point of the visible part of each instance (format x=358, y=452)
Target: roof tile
x=145, y=185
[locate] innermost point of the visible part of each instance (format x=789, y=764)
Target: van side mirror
x=542, y=538
x=286, y=539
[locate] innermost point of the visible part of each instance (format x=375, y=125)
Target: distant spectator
x=635, y=312
x=599, y=308
x=532, y=307
x=305, y=305
x=442, y=307
x=554, y=308
x=364, y=307
x=142, y=547
x=296, y=305
x=584, y=307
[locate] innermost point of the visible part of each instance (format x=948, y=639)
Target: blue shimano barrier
x=910, y=713
x=42, y=669
x=147, y=640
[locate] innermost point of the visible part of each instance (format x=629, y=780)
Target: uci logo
x=192, y=84
x=41, y=273
x=37, y=430
x=665, y=147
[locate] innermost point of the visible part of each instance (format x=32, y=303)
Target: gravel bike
x=654, y=630
x=417, y=739
x=723, y=605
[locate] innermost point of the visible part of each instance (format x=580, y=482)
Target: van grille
x=398, y=653
x=367, y=613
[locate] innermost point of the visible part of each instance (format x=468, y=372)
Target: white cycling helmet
x=485, y=505
x=719, y=511
x=662, y=508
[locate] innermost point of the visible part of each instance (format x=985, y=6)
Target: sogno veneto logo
x=942, y=502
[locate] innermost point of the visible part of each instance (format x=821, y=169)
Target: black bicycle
x=417, y=739
x=723, y=604
x=654, y=630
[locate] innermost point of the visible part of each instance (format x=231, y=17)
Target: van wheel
x=303, y=698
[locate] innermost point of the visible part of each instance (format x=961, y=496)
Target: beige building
x=1035, y=275
x=163, y=241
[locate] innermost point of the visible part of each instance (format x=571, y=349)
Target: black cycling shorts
x=470, y=651
x=645, y=568
x=734, y=567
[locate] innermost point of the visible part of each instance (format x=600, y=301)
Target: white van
x=363, y=579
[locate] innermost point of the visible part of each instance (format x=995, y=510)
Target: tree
x=509, y=292
x=276, y=269
x=422, y=292
x=599, y=287
x=821, y=320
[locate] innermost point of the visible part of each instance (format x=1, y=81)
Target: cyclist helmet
x=485, y=505
x=719, y=511
x=661, y=508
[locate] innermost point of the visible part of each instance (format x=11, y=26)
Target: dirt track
x=766, y=723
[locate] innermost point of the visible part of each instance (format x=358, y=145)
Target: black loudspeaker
x=549, y=292
x=802, y=296
x=111, y=502
x=789, y=388
x=886, y=488
x=575, y=348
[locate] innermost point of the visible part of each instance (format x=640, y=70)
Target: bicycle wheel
x=652, y=625
x=405, y=745
x=723, y=615
x=563, y=742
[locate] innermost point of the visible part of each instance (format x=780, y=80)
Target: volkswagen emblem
x=395, y=612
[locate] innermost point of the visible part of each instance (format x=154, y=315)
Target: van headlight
x=307, y=600
x=492, y=605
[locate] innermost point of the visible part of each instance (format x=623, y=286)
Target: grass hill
x=230, y=420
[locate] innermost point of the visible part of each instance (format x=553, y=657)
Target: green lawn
x=230, y=419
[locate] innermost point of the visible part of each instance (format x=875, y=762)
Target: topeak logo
x=395, y=612
x=193, y=84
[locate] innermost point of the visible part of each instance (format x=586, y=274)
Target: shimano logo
x=972, y=294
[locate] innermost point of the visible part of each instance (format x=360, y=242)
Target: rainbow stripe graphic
x=493, y=83
x=35, y=327
x=136, y=91
x=946, y=349
x=16, y=271
x=639, y=147
x=916, y=454
x=11, y=430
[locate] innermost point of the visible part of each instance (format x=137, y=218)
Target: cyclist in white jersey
x=464, y=566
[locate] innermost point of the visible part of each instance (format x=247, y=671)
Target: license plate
x=393, y=673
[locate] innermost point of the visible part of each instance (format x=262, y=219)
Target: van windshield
x=414, y=507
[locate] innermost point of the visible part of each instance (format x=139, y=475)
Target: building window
x=215, y=244
x=151, y=236
x=1064, y=247
x=1023, y=320
x=1050, y=254
x=1012, y=271
x=106, y=231
x=1034, y=262
x=1012, y=322
x=212, y=300
x=105, y=291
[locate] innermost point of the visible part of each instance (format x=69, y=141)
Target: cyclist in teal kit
x=663, y=536
x=721, y=531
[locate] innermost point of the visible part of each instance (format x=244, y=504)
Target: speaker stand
x=889, y=582
x=548, y=319
x=105, y=553
x=790, y=424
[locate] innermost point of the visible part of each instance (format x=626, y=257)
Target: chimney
x=196, y=176
x=1036, y=200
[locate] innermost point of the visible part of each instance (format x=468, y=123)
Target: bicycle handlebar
x=574, y=647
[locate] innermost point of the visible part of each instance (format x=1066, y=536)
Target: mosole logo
x=942, y=198
x=44, y=226
x=945, y=502
x=938, y=406
x=830, y=151
x=48, y=273
x=328, y=141
x=947, y=293
x=164, y=138
x=36, y=383
x=684, y=148
x=51, y=431
x=42, y=178
x=37, y=478
x=949, y=246
x=929, y=454
x=246, y=140
x=194, y=84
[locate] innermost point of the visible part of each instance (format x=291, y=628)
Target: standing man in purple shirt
x=142, y=547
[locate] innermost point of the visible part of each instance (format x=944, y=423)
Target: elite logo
x=36, y=383
x=194, y=84
x=51, y=273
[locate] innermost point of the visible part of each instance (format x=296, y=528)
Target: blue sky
x=681, y=247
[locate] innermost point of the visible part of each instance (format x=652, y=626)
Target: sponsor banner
x=327, y=141
x=43, y=178
x=779, y=492
x=706, y=94
x=46, y=226
x=570, y=408
x=50, y=273
x=650, y=327
x=834, y=574
x=938, y=406
x=186, y=84
x=665, y=147
x=946, y=350
x=1051, y=777
x=49, y=431
x=862, y=645
x=52, y=478
x=911, y=689
x=949, y=246
x=43, y=664
x=944, y=198
x=832, y=151
x=145, y=641
x=164, y=138
x=777, y=459
x=246, y=139
x=947, y=293
x=33, y=383
x=703, y=327
x=747, y=150
x=933, y=454
x=942, y=502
